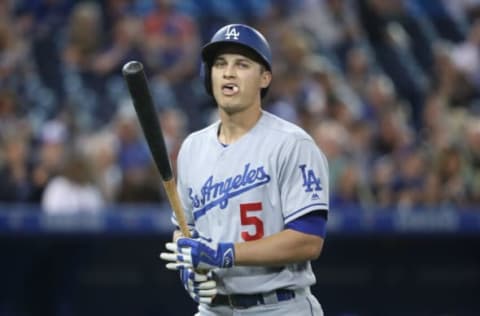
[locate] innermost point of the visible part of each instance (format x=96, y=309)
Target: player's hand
x=197, y=254
x=200, y=286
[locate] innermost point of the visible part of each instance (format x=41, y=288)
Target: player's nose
x=229, y=71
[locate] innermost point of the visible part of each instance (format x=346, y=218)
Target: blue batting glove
x=203, y=256
x=197, y=254
x=200, y=286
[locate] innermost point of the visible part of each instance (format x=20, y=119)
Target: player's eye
x=243, y=65
x=219, y=63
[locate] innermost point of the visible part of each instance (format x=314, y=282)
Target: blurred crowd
x=389, y=89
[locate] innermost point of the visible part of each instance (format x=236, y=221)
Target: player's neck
x=233, y=127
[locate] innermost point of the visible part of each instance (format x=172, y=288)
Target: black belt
x=249, y=300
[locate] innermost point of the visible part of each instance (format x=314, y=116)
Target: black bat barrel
x=142, y=100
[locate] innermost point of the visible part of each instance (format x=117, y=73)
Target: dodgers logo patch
x=310, y=181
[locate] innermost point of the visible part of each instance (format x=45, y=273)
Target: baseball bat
x=137, y=83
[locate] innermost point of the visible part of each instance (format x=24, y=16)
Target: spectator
x=472, y=140
x=12, y=115
x=139, y=179
x=124, y=47
x=51, y=154
x=466, y=56
x=84, y=37
x=358, y=70
x=436, y=123
x=431, y=190
x=171, y=43
x=360, y=147
x=107, y=64
x=333, y=138
x=382, y=181
x=327, y=93
x=72, y=190
x=101, y=149
x=392, y=135
x=351, y=190
x=13, y=53
x=380, y=97
x=43, y=23
x=410, y=177
x=174, y=127
x=285, y=94
x=450, y=168
x=332, y=24
x=16, y=172
x=170, y=51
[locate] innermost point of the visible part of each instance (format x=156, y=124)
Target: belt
x=248, y=300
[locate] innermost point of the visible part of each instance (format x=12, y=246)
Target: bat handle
x=172, y=194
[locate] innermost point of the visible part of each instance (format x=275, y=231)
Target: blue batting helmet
x=236, y=34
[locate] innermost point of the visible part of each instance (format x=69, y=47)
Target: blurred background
x=389, y=89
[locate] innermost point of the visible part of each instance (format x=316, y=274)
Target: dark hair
x=77, y=168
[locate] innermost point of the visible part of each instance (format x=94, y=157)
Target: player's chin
x=231, y=108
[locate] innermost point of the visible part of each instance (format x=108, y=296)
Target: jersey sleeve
x=303, y=180
x=182, y=187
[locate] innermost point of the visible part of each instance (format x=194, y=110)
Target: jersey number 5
x=250, y=219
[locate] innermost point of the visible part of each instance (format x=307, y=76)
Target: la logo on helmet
x=231, y=32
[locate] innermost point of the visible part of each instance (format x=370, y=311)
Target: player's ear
x=266, y=78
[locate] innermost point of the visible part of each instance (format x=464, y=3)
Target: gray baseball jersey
x=249, y=190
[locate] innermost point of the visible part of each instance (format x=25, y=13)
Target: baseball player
x=255, y=191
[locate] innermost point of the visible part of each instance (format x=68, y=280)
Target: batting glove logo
x=228, y=258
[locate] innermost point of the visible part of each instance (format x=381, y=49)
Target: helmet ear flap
x=205, y=75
